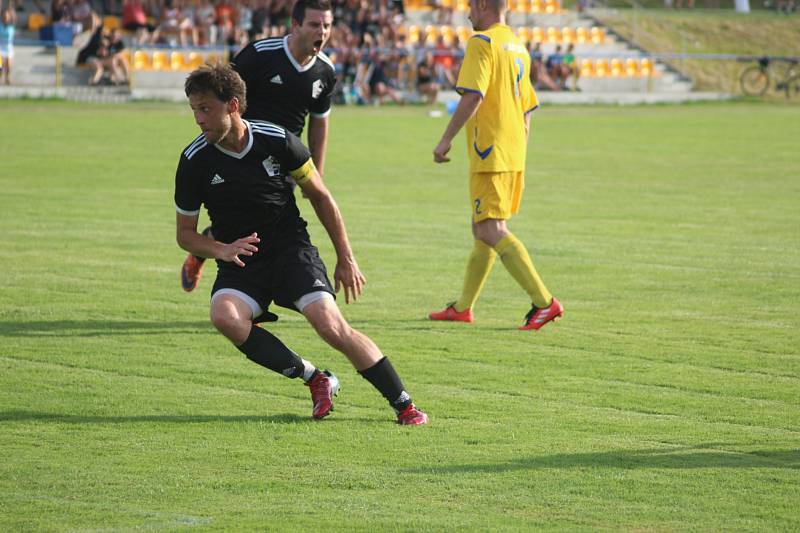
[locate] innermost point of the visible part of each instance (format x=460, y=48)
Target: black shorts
x=282, y=279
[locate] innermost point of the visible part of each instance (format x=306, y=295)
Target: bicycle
x=756, y=79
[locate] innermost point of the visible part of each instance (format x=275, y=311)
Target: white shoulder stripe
x=185, y=212
x=326, y=59
x=268, y=46
x=267, y=127
x=270, y=133
x=191, y=151
x=195, y=142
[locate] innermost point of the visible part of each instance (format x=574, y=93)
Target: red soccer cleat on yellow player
x=536, y=317
x=449, y=313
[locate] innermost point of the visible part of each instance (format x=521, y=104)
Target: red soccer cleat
x=324, y=386
x=411, y=416
x=536, y=318
x=191, y=272
x=450, y=314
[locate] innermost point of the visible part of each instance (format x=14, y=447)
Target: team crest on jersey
x=316, y=89
x=272, y=167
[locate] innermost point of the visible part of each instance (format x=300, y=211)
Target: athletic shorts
x=495, y=194
x=283, y=279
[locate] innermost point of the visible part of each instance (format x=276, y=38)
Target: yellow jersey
x=497, y=66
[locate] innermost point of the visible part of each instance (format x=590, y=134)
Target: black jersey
x=248, y=191
x=279, y=89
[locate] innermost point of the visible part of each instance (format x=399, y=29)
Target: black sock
x=383, y=377
x=205, y=232
x=267, y=350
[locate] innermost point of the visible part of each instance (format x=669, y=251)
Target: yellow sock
x=478, y=267
x=518, y=263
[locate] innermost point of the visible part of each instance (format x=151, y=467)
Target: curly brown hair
x=221, y=81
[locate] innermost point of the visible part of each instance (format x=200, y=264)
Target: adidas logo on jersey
x=318, y=283
x=277, y=79
x=217, y=179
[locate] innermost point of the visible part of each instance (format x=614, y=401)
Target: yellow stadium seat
x=537, y=6
x=413, y=35
x=582, y=35
x=598, y=35
x=449, y=34
x=462, y=5
x=194, y=61
x=177, y=61
x=552, y=6
x=631, y=67
x=524, y=33
x=36, y=21
x=646, y=67
x=617, y=68
x=141, y=60
x=568, y=34
x=587, y=68
x=213, y=58
x=522, y=6
x=110, y=22
x=463, y=33
x=553, y=35
x=160, y=60
x=537, y=34
x=602, y=69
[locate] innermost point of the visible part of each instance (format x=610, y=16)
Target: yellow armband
x=304, y=173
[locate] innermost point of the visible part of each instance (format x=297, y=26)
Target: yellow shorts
x=495, y=194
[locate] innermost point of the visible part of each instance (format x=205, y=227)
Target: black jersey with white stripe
x=279, y=89
x=248, y=191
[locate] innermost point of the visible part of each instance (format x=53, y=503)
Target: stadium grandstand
x=578, y=58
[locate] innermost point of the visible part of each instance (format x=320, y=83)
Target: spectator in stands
x=570, y=67
x=205, y=24
x=120, y=61
x=134, y=20
x=260, y=21
x=60, y=12
x=442, y=13
x=554, y=66
x=537, y=63
x=8, y=18
x=427, y=85
x=174, y=25
x=226, y=21
x=377, y=84
x=82, y=15
x=244, y=23
x=444, y=60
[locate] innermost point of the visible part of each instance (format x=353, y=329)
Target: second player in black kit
x=281, y=90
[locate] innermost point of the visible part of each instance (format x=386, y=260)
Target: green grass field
x=667, y=399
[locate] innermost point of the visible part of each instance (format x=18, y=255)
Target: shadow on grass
x=97, y=328
x=31, y=416
x=680, y=458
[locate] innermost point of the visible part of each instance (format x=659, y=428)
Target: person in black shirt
x=287, y=78
x=238, y=169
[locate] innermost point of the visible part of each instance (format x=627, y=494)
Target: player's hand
x=441, y=150
x=245, y=246
x=348, y=275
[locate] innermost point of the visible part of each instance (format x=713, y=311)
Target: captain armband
x=304, y=173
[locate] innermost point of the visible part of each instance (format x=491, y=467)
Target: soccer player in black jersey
x=287, y=79
x=238, y=169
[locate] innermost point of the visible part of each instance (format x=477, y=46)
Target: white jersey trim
x=247, y=148
x=297, y=66
x=325, y=59
x=321, y=115
x=185, y=212
x=197, y=145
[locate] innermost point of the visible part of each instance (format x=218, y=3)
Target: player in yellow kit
x=496, y=101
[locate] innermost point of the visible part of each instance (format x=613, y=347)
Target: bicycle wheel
x=754, y=81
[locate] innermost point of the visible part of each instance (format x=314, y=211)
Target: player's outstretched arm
x=200, y=245
x=347, y=274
